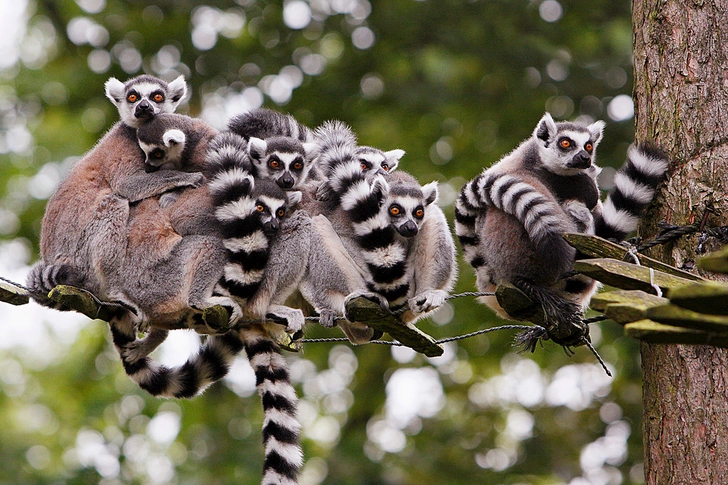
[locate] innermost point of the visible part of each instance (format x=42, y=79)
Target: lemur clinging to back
x=113, y=166
x=378, y=237
x=510, y=218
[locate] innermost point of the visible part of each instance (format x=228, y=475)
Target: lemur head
x=272, y=203
x=567, y=148
x=374, y=161
x=407, y=202
x=143, y=97
x=163, y=141
x=284, y=160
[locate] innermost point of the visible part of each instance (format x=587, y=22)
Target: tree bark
x=681, y=98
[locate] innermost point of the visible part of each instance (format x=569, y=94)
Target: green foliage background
x=456, y=84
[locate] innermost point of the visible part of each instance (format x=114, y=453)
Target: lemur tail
x=635, y=185
x=281, y=429
x=337, y=156
x=44, y=277
x=265, y=123
x=208, y=366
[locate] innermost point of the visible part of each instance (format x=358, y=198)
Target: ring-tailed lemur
x=510, y=218
x=113, y=167
x=381, y=237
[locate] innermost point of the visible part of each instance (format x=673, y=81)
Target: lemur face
x=142, y=98
x=162, y=142
x=284, y=160
x=406, y=206
x=272, y=204
x=567, y=148
x=374, y=161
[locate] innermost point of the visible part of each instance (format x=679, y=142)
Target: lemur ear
x=596, y=130
x=114, y=90
x=173, y=137
x=311, y=149
x=431, y=192
x=546, y=129
x=294, y=197
x=393, y=157
x=177, y=90
x=257, y=148
x=380, y=187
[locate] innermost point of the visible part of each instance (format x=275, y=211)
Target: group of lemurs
x=172, y=221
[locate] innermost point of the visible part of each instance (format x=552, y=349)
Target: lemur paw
x=292, y=318
x=196, y=179
x=427, y=301
x=141, y=348
x=327, y=318
x=168, y=198
x=222, y=314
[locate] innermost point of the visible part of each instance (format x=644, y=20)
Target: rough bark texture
x=681, y=98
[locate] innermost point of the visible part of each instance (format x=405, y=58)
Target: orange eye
x=589, y=147
x=132, y=97
x=158, y=98
x=281, y=212
x=259, y=208
x=274, y=164
x=394, y=210
x=565, y=143
x=385, y=167
x=419, y=213
x=364, y=167
x=297, y=166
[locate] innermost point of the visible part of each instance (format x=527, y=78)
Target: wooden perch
x=598, y=247
x=366, y=311
x=707, y=297
x=519, y=306
x=656, y=333
x=624, y=306
x=716, y=262
x=628, y=276
x=15, y=295
x=680, y=317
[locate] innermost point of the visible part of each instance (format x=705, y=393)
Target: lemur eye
x=157, y=153
x=385, y=167
x=259, y=208
x=395, y=210
x=297, y=165
x=281, y=212
x=420, y=213
x=364, y=165
x=158, y=98
x=589, y=147
x=565, y=143
x=274, y=163
x=132, y=97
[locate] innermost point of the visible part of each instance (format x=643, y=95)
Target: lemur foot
x=291, y=318
x=427, y=301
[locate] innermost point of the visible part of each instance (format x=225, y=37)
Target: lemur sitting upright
x=378, y=237
x=113, y=167
x=510, y=218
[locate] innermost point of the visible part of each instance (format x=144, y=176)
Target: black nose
x=581, y=160
x=408, y=229
x=144, y=109
x=149, y=168
x=285, y=181
x=270, y=228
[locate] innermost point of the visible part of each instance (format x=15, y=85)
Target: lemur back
x=510, y=220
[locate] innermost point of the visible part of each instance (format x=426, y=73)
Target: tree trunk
x=681, y=95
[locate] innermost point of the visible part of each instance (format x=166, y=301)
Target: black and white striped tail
x=363, y=201
x=266, y=123
x=465, y=215
x=208, y=366
x=281, y=429
x=43, y=277
x=540, y=216
x=635, y=185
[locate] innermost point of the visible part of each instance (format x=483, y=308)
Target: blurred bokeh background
x=457, y=84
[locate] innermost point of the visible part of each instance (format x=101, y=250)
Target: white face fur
x=375, y=161
x=144, y=97
x=407, y=210
x=566, y=148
